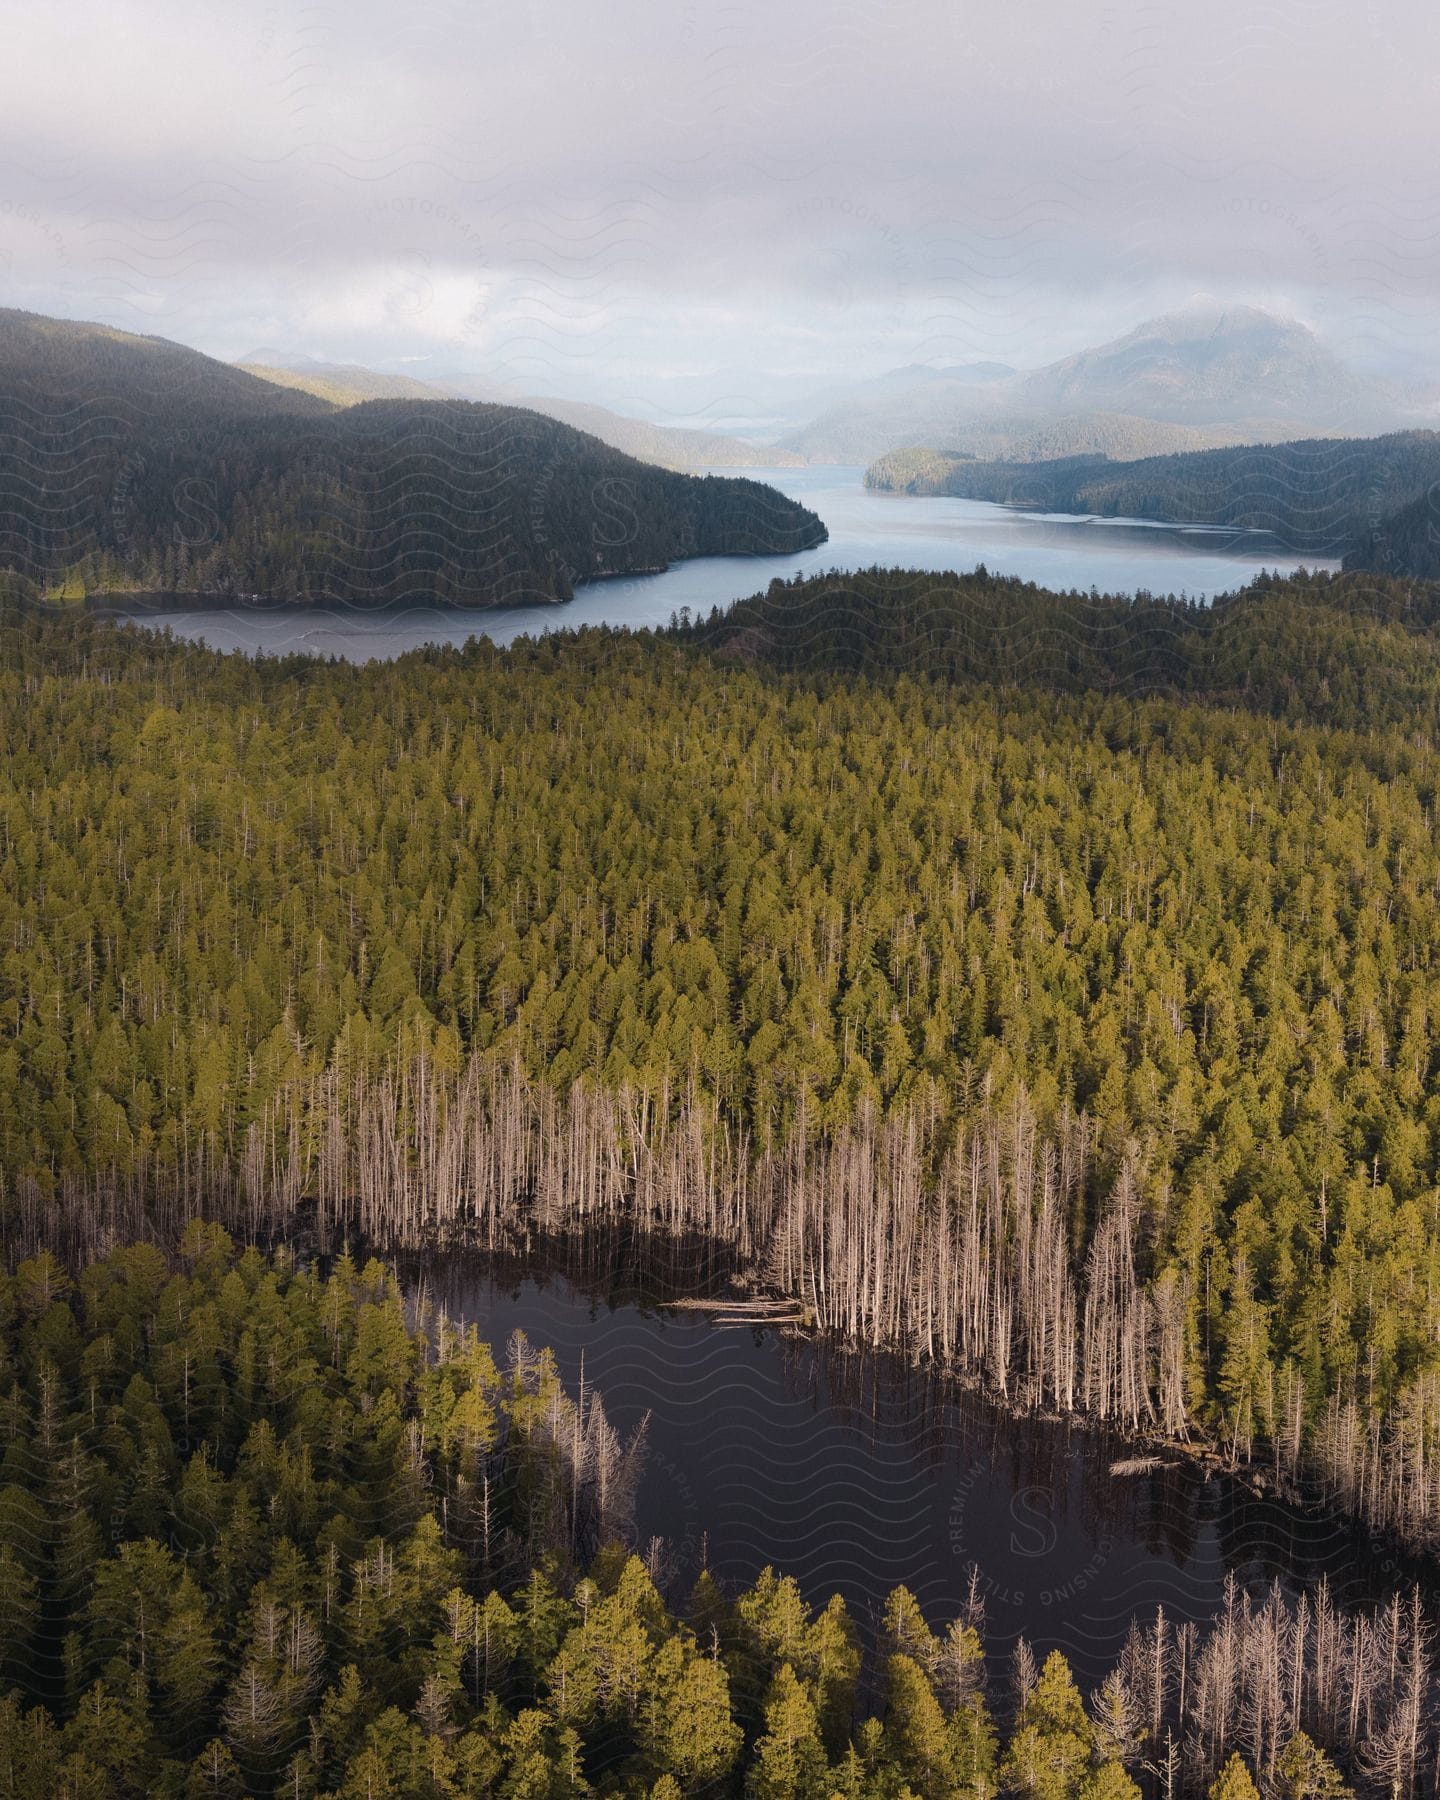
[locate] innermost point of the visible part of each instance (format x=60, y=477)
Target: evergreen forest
x=1080, y=1040
x=133, y=466
x=269, y=1530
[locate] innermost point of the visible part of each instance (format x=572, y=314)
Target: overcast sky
x=708, y=206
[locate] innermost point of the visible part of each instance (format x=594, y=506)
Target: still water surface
x=857, y=1473
x=1057, y=550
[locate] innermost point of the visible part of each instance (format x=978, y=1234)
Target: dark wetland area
x=857, y=1472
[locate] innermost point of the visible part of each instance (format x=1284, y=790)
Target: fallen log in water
x=734, y=1310
x=1137, y=1465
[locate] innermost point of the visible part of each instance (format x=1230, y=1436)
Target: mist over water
x=1059, y=551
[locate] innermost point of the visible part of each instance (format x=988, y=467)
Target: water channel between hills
x=866, y=529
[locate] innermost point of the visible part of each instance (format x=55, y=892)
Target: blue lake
x=1055, y=550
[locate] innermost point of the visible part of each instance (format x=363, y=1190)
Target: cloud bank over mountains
x=716, y=213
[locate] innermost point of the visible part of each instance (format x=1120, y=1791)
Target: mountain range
x=1201, y=377
x=670, y=446
x=1205, y=376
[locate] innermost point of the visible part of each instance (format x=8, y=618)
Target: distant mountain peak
x=1209, y=372
x=1203, y=316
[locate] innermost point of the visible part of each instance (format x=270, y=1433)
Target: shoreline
x=744, y=1292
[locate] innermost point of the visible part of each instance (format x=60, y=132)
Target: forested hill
x=1321, y=497
x=672, y=447
x=1408, y=539
x=134, y=465
x=59, y=373
x=1353, y=650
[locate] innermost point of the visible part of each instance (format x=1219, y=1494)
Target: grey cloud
x=613, y=202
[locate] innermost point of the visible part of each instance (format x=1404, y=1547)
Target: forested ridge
x=1366, y=500
x=1083, y=1043
x=132, y=465
x=1355, y=650
x=270, y=1529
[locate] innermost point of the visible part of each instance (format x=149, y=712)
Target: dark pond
x=857, y=1472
